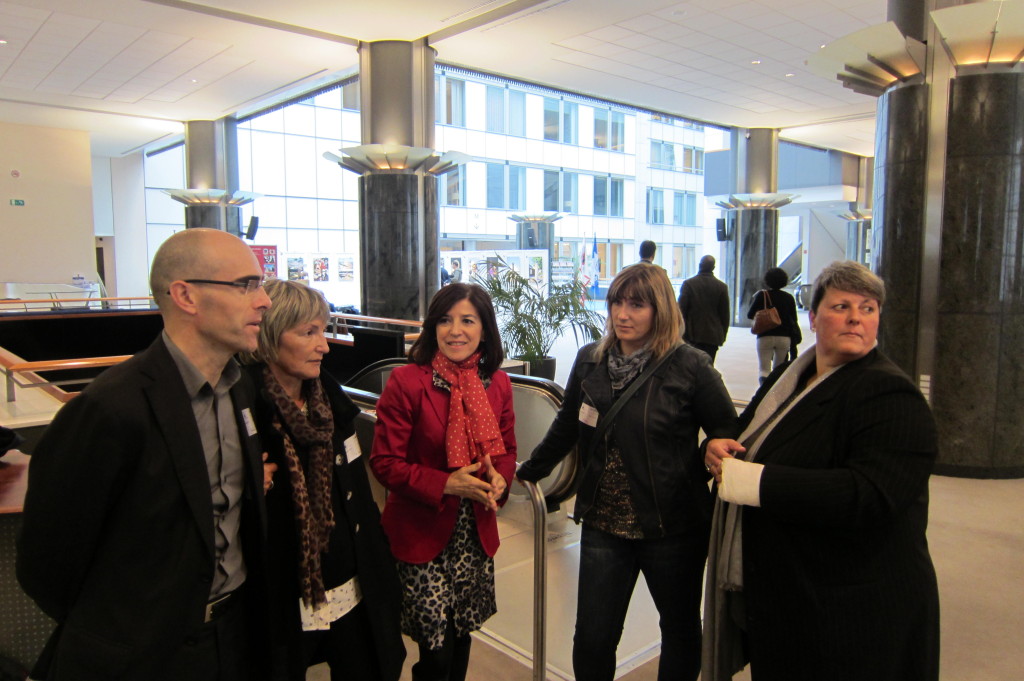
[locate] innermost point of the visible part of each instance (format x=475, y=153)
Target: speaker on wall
x=254, y=224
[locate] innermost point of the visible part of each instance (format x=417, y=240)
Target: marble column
x=755, y=239
x=949, y=194
x=753, y=229
x=901, y=145
x=398, y=227
x=978, y=382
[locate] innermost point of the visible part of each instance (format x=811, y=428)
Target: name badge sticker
x=250, y=425
x=352, y=450
x=588, y=415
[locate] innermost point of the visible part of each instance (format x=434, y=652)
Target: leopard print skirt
x=459, y=584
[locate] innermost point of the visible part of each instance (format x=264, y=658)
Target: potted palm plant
x=531, y=318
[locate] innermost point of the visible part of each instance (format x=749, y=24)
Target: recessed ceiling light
x=790, y=75
x=755, y=61
x=2, y=41
x=821, y=47
x=194, y=80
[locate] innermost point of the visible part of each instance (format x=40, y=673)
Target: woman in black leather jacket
x=643, y=498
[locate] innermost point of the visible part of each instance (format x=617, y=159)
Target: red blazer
x=409, y=460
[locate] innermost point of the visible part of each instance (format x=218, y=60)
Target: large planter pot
x=542, y=368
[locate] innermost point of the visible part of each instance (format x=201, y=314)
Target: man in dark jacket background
x=704, y=302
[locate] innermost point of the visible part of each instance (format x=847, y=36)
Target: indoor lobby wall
x=50, y=238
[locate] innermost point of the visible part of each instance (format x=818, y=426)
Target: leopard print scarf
x=311, y=488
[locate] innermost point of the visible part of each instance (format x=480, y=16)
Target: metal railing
x=540, y=579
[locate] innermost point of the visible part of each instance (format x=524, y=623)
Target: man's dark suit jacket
x=838, y=580
x=704, y=302
x=117, y=543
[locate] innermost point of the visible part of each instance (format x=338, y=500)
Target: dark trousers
x=216, y=651
x=347, y=648
x=673, y=568
x=708, y=348
x=447, y=663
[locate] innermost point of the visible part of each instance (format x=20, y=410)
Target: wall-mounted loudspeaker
x=254, y=224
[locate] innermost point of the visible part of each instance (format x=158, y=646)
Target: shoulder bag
x=767, y=318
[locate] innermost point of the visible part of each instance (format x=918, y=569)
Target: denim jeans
x=673, y=568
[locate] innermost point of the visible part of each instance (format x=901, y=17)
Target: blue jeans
x=673, y=568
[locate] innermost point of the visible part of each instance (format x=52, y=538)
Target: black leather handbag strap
x=617, y=405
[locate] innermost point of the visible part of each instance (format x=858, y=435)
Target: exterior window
x=506, y=186
x=655, y=206
x=517, y=113
x=608, y=196
x=618, y=132
x=451, y=185
x=570, y=193
x=550, y=190
x=551, y=113
x=615, y=196
x=450, y=101
x=684, y=208
x=570, y=119
x=693, y=160
x=662, y=155
x=516, y=187
x=495, y=109
x=601, y=128
x=495, y=185
x=350, y=96
x=601, y=195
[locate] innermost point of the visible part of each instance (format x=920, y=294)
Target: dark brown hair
x=425, y=347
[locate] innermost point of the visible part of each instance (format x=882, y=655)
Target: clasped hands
x=479, y=482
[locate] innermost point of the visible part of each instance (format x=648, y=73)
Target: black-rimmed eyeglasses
x=250, y=284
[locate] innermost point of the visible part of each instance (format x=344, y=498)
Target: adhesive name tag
x=588, y=415
x=250, y=425
x=352, y=451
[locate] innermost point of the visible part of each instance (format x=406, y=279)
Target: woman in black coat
x=819, y=532
x=775, y=346
x=334, y=588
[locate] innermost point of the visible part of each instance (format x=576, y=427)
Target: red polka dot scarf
x=472, y=428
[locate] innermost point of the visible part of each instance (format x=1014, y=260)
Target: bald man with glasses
x=144, y=520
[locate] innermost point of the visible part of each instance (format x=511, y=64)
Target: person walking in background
x=456, y=271
x=446, y=278
x=334, y=587
x=647, y=250
x=704, y=303
x=634, y=404
x=144, y=521
x=776, y=345
x=445, y=448
x=819, y=565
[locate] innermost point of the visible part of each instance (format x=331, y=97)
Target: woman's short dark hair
x=776, y=277
x=425, y=347
x=847, y=275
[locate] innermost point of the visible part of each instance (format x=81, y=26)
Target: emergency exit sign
x=17, y=202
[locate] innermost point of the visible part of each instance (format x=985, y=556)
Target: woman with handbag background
x=634, y=403
x=776, y=344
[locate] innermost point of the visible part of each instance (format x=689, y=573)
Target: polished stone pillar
x=901, y=145
x=211, y=162
x=949, y=243
x=753, y=232
x=398, y=206
x=751, y=253
x=978, y=382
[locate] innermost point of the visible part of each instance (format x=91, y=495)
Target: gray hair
x=847, y=275
x=292, y=304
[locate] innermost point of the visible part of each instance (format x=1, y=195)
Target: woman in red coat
x=445, y=449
